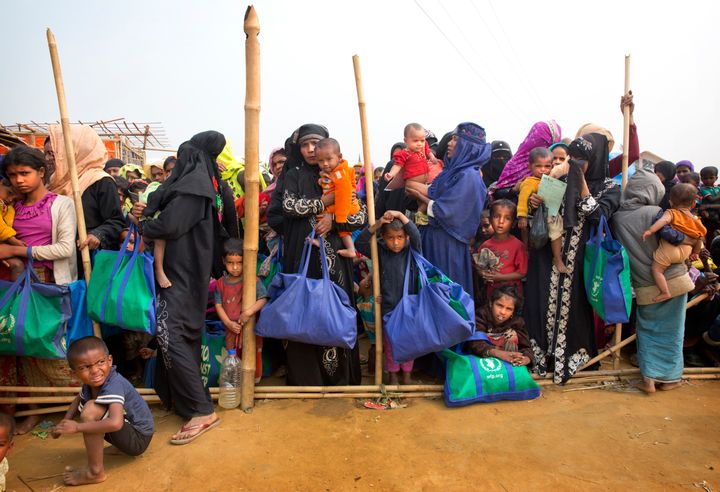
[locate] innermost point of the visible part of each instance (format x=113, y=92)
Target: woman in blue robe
x=455, y=201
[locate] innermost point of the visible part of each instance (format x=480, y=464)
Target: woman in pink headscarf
x=542, y=134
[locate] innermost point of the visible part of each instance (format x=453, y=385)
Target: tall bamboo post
x=367, y=161
x=70, y=156
x=626, y=126
x=252, y=191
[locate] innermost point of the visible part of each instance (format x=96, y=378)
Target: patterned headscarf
x=542, y=134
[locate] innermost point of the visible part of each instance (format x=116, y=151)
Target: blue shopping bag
x=439, y=316
x=307, y=310
x=79, y=325
x=607, y=275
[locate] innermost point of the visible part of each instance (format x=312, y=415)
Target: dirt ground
x=565, y=440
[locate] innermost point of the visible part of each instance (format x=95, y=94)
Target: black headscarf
x=668, y=170
x=501, y=154
x=294, y=160
x=195, y=173
x=593, y=148
x=113, y=163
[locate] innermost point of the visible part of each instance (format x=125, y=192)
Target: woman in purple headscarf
x=542, y=134
x=455, y=201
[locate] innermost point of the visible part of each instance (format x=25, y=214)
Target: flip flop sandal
x=203, y=429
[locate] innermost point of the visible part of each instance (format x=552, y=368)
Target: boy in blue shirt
x=110, y=409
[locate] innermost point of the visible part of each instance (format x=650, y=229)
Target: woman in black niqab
x=189, y=205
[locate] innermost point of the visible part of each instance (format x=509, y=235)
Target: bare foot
x=647, y=385
x=560, y=266
x=27, y=425
x=669, y=386
x=82, y=476
x=663, y=296
x=112, y=451
x=407, y=378
x=394, y=380
x=162, y=280
x=347, y=253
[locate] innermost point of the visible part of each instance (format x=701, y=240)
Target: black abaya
x=311, y=365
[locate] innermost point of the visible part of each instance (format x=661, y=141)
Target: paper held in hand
x=552, y=192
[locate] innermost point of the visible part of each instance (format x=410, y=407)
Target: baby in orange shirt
x=338, y=178
x=680, y=218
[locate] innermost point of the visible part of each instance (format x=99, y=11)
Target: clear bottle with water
x=229, y=381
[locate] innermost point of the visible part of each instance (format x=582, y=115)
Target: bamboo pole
x=626, y=126
x=431, y=391
x=252, y=191
x=370, y=193
x=617, y=339
x=70, y=156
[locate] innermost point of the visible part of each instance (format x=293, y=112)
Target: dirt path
x=580, y=440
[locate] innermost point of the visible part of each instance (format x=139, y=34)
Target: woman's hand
x=627, y=101
x=91, y=241
x=323, y=225
x=138, y=208
x=536, y=200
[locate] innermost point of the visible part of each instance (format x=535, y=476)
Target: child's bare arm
x=659, y=224
x=393, y=172
x=252, y=310
x=112, y=423
x=69, y=415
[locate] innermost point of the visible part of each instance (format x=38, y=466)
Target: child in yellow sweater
x=541, y=163
x=7, y=233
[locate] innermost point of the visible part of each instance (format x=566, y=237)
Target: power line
x=517, y=58
x=476, y=52
x=536, y=100
x=467, y=62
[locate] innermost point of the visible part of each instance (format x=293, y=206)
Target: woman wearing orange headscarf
x=103, y=216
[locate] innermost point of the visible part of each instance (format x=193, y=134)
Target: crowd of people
x=464, y=203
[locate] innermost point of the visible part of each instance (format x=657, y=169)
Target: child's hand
x=66, y=426
x=378, y=300
x=646, y=234
x=522, y=223
x=244, y=318
x=488, y=276
x=388, y=217
x=694, y=257
x=233, y=327
x=388, y=177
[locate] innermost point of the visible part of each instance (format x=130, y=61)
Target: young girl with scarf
x=508, y=337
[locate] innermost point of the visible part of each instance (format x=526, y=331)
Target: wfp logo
x=7, y=324
x=596, y=287
x=490, y=364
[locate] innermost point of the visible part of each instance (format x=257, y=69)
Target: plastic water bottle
x=229, y=381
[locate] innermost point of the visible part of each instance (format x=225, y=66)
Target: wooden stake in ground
x=626, y=125
x=252, y=191
x=70, y=156
x=367, y=161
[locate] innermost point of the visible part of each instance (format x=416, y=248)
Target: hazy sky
x=507, y=65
